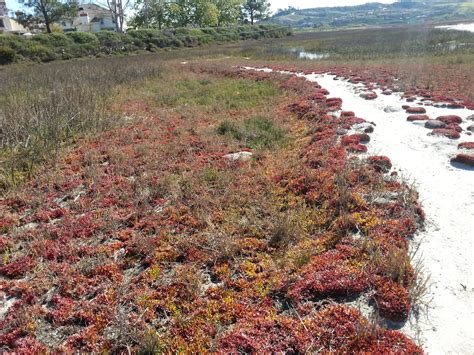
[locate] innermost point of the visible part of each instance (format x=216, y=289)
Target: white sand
x=447, y=196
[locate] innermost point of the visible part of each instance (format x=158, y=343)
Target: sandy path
x=447, y=195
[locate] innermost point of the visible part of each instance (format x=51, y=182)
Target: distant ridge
x=377, y=14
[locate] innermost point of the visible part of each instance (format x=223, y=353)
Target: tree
x=154, y=13
x=256, y=9
x=228, y=11
x=50, y=11
x=181, y=13
x=205, y=13
x=117, y=8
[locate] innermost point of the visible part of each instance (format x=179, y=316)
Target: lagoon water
x=459, y=27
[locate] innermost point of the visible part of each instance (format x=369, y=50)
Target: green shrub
x=41, y=53
x=83, y=38
x=53, y=40
x=47, y=47
x=113, y=41
x=7, y=55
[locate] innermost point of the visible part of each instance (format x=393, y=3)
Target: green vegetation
x=219, y=95
x=49, y=47
x=45, y=107
x=363, y=44
x=254, y=132
x=183, y=13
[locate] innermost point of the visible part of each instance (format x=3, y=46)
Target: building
x=90, y=18
x=7, y=24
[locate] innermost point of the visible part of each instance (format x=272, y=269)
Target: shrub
x=7, y=55
x=53, y=40
x=41, y=53
x=47, y=47
x=113, y=41
x=83, y=38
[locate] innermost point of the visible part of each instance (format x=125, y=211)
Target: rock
x=362, y=127
x=389, y=109
x=28, y=226
x=405, y=107
x=435, y=124
x=411, y=99
x=412, y=118
x=381, y=201
x=369, y=129
x=243, y=156
x=470, y=128
x=455, y=105
x=470, y=118
x=416, y=110
x=449, y=119
x=368, y=95
x=446, y=132
x=466, y=159
x=341, y=131
x=466, y=145
x=387, y=92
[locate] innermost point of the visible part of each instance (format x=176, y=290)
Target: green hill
x=376, y=14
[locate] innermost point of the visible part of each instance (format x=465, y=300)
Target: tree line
x=154, y=13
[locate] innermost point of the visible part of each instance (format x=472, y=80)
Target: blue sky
x=275, y=4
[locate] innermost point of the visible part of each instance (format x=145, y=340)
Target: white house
x=7, y=24
x=90, y=18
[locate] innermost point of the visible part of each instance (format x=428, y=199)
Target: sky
x=275, y=4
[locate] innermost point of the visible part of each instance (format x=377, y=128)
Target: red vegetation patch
x=338, y=328
x=380, y=163
x=355, y=139
x=416, y=110
x=466, y=159
x=412, y=118
x=17, y=268
x=393, y=301
x=446, y=132
x=356, y=148
x=347, y=114
x=466, y=145
x=329, y=275
x=450, y=119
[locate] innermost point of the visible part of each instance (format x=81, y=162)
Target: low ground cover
x=148, y=237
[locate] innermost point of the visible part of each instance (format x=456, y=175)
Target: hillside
x=375, y=14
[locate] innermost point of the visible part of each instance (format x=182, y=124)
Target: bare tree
x=117, y=8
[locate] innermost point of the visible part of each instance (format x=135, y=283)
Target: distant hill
x=373, y=14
